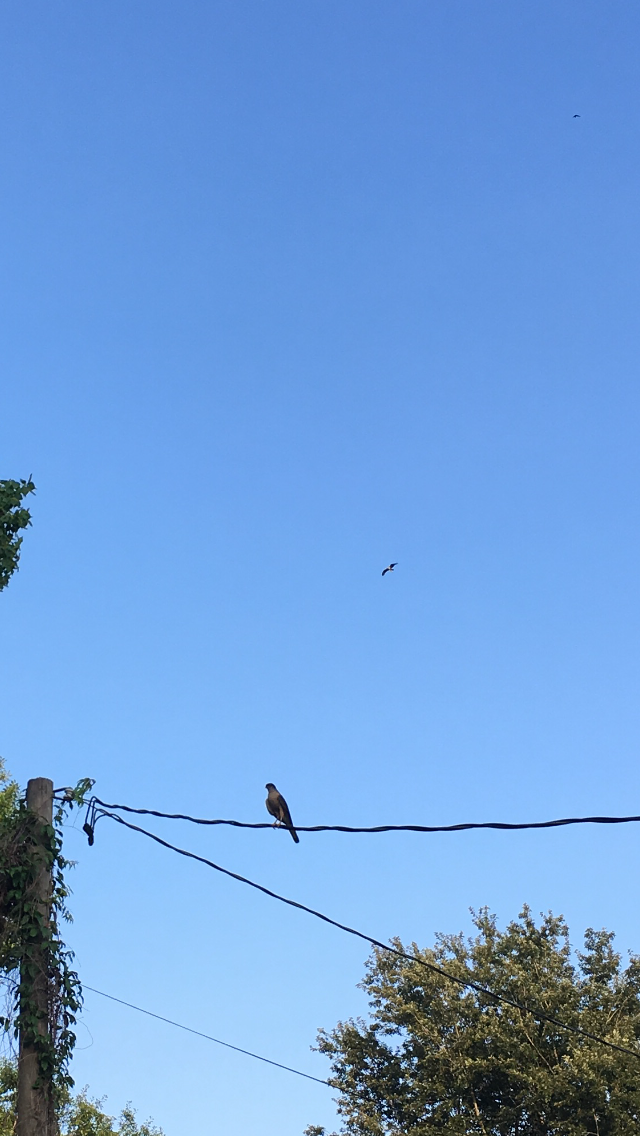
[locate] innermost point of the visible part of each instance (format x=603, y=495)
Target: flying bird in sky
x=577, y=116
x=278, y=807
x=389, y=569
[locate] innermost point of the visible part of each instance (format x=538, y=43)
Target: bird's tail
x=294, y=834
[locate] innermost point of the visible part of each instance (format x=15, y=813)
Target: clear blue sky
x=291, y=290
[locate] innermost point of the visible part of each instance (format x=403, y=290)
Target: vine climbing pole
x=35, y=1103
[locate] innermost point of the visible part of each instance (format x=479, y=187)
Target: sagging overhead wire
x=207, y=1036
x=463, y=982
x=501, y=826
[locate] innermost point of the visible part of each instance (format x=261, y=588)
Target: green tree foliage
x=8, y=1092
x=79, y=1115
x=437, y=1057
x=29, y=943
x=9, y=795
x=13, y=518
x=85, y=1117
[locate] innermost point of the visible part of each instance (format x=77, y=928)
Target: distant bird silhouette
x=279, y=809
x=390, y=568
x=577, y=116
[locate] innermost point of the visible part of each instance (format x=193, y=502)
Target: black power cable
x=465, y=982
x=499, y=825
x=198, y=1033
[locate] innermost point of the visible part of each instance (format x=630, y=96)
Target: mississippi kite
x=279, y=809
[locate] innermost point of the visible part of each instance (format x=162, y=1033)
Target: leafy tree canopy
x=13, y=518
x=437, y=1057
x=79, y=1115
x=83, y=1116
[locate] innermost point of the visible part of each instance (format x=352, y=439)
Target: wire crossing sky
x=206, y=1036
x=290, y=293
x=457, y=979
x=501, y=826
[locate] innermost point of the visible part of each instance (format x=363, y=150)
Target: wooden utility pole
x=35, y=1112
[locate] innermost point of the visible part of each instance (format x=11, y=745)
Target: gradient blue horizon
x=290, y=291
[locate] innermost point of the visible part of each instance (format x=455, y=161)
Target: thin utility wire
x=500, y=825
x=198, y=1033
x=465, y=982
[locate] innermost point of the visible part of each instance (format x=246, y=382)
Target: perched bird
x=278, y=807
x=389, y=569
x=577, y=116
